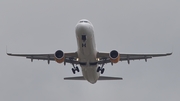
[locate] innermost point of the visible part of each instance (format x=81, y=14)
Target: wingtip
x=169, y=53
x=8, y=53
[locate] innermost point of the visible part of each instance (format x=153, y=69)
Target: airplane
x=87, y=57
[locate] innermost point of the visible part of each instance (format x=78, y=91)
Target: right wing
x=104, y=57
x=69, y=57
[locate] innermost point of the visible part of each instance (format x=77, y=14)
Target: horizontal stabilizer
x=109, y=78
x=74, y=78
x=100, y=78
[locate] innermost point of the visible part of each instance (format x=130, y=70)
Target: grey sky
x=129, y=26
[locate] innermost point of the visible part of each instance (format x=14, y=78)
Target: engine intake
x=114, y=56
x=59, y=56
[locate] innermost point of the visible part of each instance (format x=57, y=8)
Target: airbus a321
x=87, y=57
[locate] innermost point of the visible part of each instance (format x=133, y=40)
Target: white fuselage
x=87, y=50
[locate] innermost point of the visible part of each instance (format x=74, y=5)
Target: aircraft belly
x=87, y=54
x=90, y=73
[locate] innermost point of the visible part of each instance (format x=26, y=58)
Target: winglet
x=7, y=51
x=172, y=50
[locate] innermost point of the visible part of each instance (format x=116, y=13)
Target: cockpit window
x=84, y=21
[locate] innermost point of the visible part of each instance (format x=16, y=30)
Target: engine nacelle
x=114, y=56
x=59, y=56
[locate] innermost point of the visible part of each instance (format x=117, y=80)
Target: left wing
x=69, y=57
x=104, y=57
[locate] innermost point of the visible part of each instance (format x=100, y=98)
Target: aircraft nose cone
x=82, y=28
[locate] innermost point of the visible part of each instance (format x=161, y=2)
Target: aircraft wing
x=104, y=57
x=69, y=57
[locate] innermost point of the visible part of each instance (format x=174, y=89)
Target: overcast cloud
x=129, y=26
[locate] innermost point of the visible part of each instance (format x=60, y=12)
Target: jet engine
x=59, y=56
x=114, y=56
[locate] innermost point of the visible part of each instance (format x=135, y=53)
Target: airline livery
x=87, y=57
